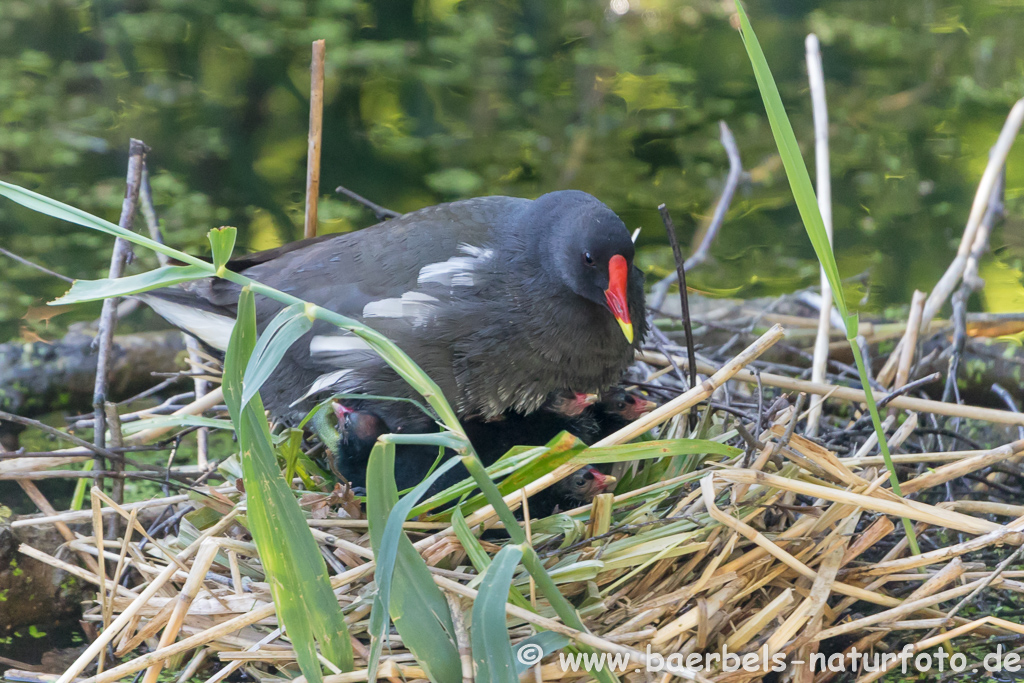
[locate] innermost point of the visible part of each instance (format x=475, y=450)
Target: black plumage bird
x=500, y=300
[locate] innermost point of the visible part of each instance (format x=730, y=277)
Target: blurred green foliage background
x=433, y=100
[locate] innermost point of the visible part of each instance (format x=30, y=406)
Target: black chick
x=359, y=430
x=617, y=408
x=579, y=488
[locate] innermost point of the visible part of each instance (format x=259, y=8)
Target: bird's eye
x=588, y=258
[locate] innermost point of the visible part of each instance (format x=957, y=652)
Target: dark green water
x=435, y=100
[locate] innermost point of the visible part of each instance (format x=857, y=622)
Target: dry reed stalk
x=878, y=530
x=316, y=126
x=823, y=190
x=825, y=459
x=759, y=621
x=904, y=609
x=905, y=508
x=200, y=565
x=962, y=467
x=40, y=501
x=99, y=645
x=71, y=569
x=912, y=458
x=947, y=283
x=908, y=345
x=909, y=403
x=985, y=507
x=84, y=515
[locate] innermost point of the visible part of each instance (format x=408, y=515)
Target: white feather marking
x=214, y=330
x=415, y=306
x=321, y=383
x=636, y=233
x=458, y=270
x=333, y=344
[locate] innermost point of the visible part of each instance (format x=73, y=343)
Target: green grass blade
x=222, y=242
x=94, y=290
x=792, y=161
x=291, y=558
x=51, y=207
x=479, y=557
x=286, y=327
x=492, y=648
x=547, y=641
x=653, y=449
x=415, y=603
x=807, y=203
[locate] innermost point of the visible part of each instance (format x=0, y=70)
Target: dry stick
x=40, y=501
x=108, y=317
x=148, y=209
x=958, y=469
x=732, y=181
x=202, y=387
x=823, y=188
x=947, y=283
x=909, y=342
x=919, y=405
x=684, y=301
x=882, y=501
x=100, y=644
x=117, y=486
x=200, y=565
x=316, y=126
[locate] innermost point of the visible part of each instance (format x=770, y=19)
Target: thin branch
x=148, y=209
x=684, y=302
x=379, y=211
x=41, y=269
x=732, y=181
x=108, y=318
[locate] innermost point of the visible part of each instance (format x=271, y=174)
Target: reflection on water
x=433, y=100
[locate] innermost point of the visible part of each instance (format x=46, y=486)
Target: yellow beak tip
x=627, y=329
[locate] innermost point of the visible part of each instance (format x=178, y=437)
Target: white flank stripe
x=214, y=330
x=333, y=344
x=458, y=270
x=416, y=306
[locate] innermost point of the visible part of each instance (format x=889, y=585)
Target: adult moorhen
x=500, y=300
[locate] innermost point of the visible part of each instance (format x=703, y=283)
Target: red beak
x=615, y=295
x=601, y=481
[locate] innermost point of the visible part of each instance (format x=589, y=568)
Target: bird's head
x=569, y=403
x=591, y=250
x=581, y=486
x=625, y=404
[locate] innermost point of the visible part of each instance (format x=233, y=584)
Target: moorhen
x=500, y=300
